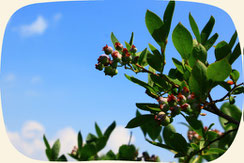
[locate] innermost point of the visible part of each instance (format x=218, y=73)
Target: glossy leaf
x=219, y=70
x=139, y=120
x=194, y=28
x=222, y=49
x=148, y=107
x=155, y=61
x=182, y=41
x=235, y=54
x=110, y=129
x=234, y=75
x=233, y=40
x=143, y=58
x=113, y=39
x=196, y=125
x=167, y=18
x=159, y=144
x=131, y=39
x=178, y=65
x=46, y=142
x=211, y=41
x=127, y=152
x=238, y=90
x=207, y=30
x=80, y=141
x=55, y=149
x=98, y=130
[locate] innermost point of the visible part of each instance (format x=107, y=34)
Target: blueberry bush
x=183, y=91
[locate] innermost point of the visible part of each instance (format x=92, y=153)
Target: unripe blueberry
x=118, y=46
x=164, y=107
x=99, y=66
x=116, y=55
x=175, y=111
x=185, y=91
x=171, y=100
x=133, y=49
x=191, y=98
x=114, y=64
x=107, y=49
x=108, y=70
x=162, y=118
x=124, y=51
x=104, y=59
x=186, y=107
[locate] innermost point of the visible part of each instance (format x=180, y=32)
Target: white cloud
x=119, y=136
x=30, y=143
x=9, y=78
x=37, y=27
x=57, y=17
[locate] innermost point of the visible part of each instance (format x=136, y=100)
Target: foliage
x=185, y=90
x=88, y=150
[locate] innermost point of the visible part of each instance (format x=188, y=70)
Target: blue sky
x=48, y=79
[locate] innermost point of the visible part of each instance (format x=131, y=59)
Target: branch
x=211, y=142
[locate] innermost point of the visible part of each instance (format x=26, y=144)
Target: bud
x=191, y=98
x=185, y=91
x=124, y=51
x=164, y=107
x=127, y=58
x=186, y=107
x=162, y=100
x=118, y=46
x=116, y=55
x=114, y=64
x=99, y=66
x=107, y=49
x=162, y=118
x=181, y=99
x=133, y=49
x=110, y=71
x=171, y=100
x=104, y=59
x=175, y=111
x=74, y=151
x=230, y=82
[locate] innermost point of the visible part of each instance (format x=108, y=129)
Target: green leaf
x=62, y=158
x=235, y=54
x=219, y=70
x=110, y=129
x=141, y=83
x=155, y=27
x=150, y=81
x=196, y=125
x=212, y=151
x=178, y=142
x=128, y=46
x=161, y=82
x=231, y=110
x=211, y=135
x=225, y=85
x=194, y=28
x=182, y=41
x=46, y=142
x=159, y=144
x=55, y=149
x=87, y=151
x=113, y=39
x=127, y=152
x=194, y=146
x=198, y=53
x=131, y=39
x=233, y=40
x=139, y=120
x=178, y=65
x=143, y=58
x=98, y=130
x=167, y=132
x=238, y=90
x=198, y=82
x=211, y=41
x=155, y=61
x=222, y=49
x=101, y=143
x=148, y=107
x=168, y=15
x=80, y=140
x=207, y=30
x=90, y=138
x=234, y=75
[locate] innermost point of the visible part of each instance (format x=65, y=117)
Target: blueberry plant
x=88, y=150
x=185, y=90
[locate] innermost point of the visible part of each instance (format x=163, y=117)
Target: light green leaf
x=194, y=28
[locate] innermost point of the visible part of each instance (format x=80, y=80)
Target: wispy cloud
x=29, y=140
x=57, y=17
x=9, y=77
x=37, y=27
x=35, y=79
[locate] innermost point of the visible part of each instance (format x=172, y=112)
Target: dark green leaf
x=211, y=41
x=214, y=151
x=231, y=110
x=233, y=40
x=234, y=75
x=196, y=125
x=238, y=90
x=161, y=82
x=148, y=107
x=101, y=143
x=127, y=152
x=49, y=154
x=159, y=144
x=80, y=140
x=113, y=39
x=87, y=151
x=98, y=130
x=198, y=53
x=90, y=138
x=143, y=58
x=155, y=27
x=178, y=65
x=62, y=158
x=207, y=30
x=131, y=39
x=225, y=85
x=150, y=81
x=128, y=46
x=167, y=132
x=155, y=61
x=211, y=135
x=194, y=28
x=219, y=70
x=222, y=50
x=46, y=142
x=139, y=120
x=167, y=19
x=110, y=129
x=235, y=54
x=55, y=149
x=182, y=40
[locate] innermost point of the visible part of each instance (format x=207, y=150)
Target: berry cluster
x=175, y=103
x=120, y=55
x=193, y=136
